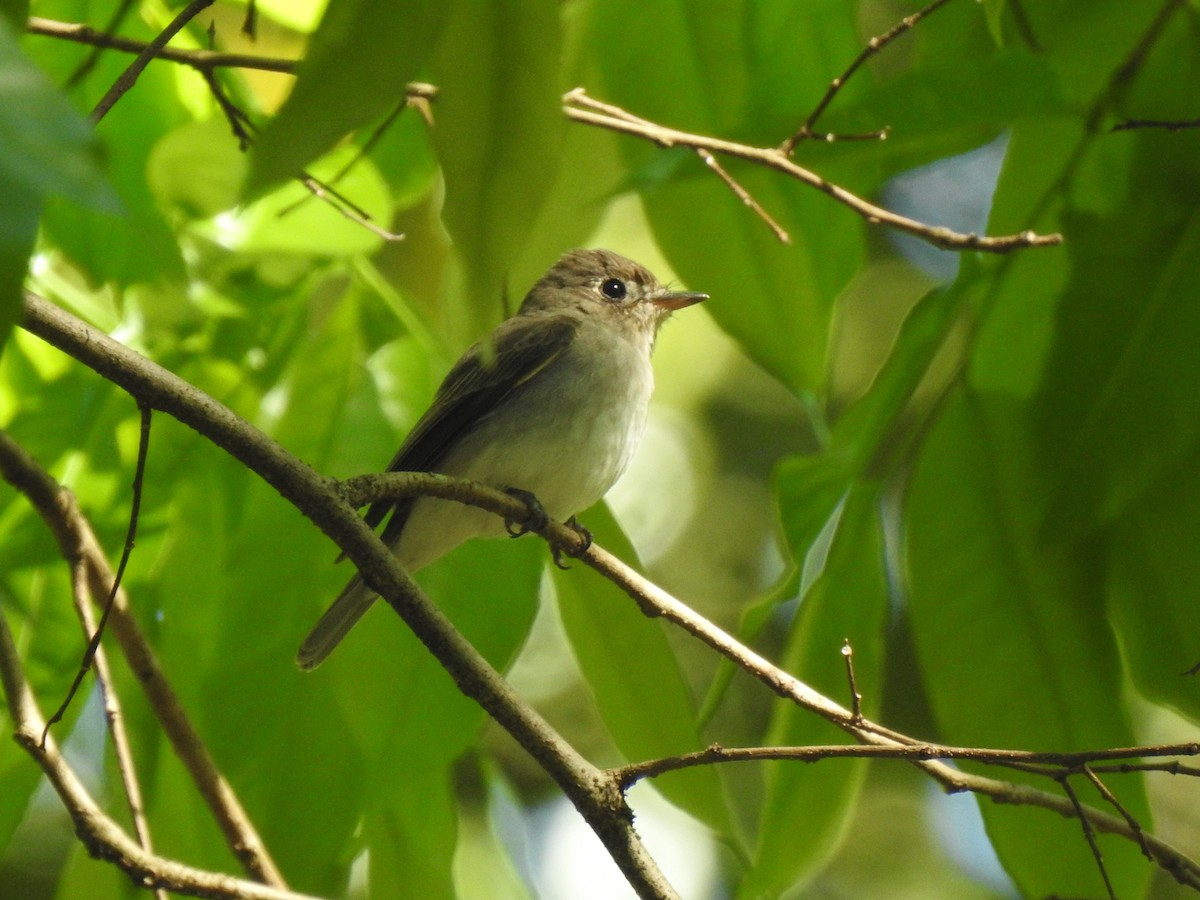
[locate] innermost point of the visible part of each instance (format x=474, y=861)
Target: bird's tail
x=354, y=600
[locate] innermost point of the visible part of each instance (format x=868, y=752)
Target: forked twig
x=1089, y=834
x=874, y=45
x=580, y=107
x=122, y=748
x=127, y=78
x=76, y=540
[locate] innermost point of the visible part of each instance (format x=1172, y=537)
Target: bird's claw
x=585, y=538
x=535, y=520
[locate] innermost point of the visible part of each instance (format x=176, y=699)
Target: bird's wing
x=521, y=348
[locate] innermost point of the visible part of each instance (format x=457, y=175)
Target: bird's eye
x=613, y=289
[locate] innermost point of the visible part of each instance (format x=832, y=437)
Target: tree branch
x=655, y=602
x=102, y=836
x=579, y=107
x=129, y=77
x=77, y=540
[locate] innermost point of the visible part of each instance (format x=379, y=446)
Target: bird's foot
x=535, y=520
x=585, y=539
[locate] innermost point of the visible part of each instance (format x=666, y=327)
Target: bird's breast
x=566, y=436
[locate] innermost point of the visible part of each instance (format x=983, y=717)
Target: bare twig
x=855, y=696
x=1052, y=765
x=1088, y=834
x=127, y=78
x=1167, y=124
x=135, y=506
x=76, y=540
x=367, y=146
x=239, y=122
x=122, y=749
x=742, y=194
x=1116, y=804
x=197, y=59
x=580, y=107
x=102, y=837
x=344, y=207
x=89, y=62
x=874, y=45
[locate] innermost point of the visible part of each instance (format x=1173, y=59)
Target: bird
x=551, y=406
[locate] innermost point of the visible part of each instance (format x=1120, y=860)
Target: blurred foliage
x=988, y=486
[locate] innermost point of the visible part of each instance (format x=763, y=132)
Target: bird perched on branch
x=551, y=406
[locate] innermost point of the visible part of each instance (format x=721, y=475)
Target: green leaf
x=18, y=229
x=633, y=675
x=807, y=806
x=409, y=835
x=45, y=145
x=775, y=299
x=1010, y=633
x=499, y=139
x=1152, y=586
x=1118, y=401
x=356, y=69
x=291, y=220
x=926, y=122
x=127, y=241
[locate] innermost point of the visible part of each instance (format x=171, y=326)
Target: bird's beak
x=677, y=299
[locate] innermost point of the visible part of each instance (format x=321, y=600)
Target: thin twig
x=1051, y=765
x=89, y=62
x=1134, y=825
x=874, y=45
x=1170, y=768
x=197, y=59
x=579, y=107
x=1167, y=124
x=368, y=145
x=135, y=506
x=244, y=130
x=127, y=78
x=855, y=697
x=102, y=837
x=744, y=195
x=1089, y=835
x=239, y=123
x=122, y=749
x=345, y=207
x=76, y=539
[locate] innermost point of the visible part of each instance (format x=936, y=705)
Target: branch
x=127, y=78
x=76, y=540
x=594, y=792
x=202, y=60
x=102, y=836
x=655, y=602
x=94, y=634
x=113, y=714
x=1051, y=764
x=1171, y=125
x=874, y=45
x=579, y=107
